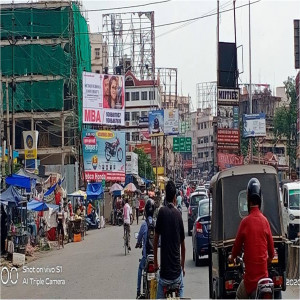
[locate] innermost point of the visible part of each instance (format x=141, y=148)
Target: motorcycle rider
x=169, y=226
x=142, y=238
x=254, y=234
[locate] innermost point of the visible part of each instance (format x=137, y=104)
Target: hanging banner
x=104, y=155
x=103, y=99
x=254, y=125
x=30, y=144
x=226, y=160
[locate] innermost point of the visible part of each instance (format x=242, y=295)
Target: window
x=201, y=141
x=206, y=153
x=144, y=114
x=135, y=136
x=201, y=154
x=201, y=125
x=205, y=124
x=211, y=138
x=206, y=139
x=135, y=116
x=151, y=95
x=144, y=96
x=97, y=52
x=127, y=116
x=198, y=140
x=127, y=96
x=135, y=96
x=128, y=136
x=198, y=126
x=98, y=71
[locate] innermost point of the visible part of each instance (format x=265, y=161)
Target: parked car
x=201, y=231
x=202, y=189
x=193, y=208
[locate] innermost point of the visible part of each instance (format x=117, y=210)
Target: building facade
x=99, y=54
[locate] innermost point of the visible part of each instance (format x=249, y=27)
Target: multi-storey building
x=44, y=49
x=99, y=55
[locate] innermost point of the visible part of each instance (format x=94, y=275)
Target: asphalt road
x=98, y=268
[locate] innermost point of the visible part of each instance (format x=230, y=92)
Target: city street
x=97, y=268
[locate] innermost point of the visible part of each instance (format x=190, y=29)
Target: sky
x=192, y=48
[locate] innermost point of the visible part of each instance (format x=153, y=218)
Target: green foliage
x=285, y=121
x=145, y=166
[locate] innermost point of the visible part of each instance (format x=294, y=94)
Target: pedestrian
x=60, y=228
x=133, y=205
x=169, y=227
x=137, y=207
x=127, y=214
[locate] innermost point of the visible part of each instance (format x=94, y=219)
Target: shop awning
x=36, y=205
x=20, y=181
x=11, y=195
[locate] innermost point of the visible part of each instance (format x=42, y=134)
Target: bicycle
x=126, y=238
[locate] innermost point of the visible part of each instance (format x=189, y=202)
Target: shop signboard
x=132, y=163
x=254, y=125
x=30, y=149
x=226, y=160
x=103, y=99
x=104, y=155
x=228, y=139
x=228, y=96
x=144, y=146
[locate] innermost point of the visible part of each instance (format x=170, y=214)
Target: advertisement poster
x=132, y=163
x=228, y=117
x=228, y=96
x=104, y=155
x=156, y=122
x=30, y=144
x=171, y=120
x=226, y=160
x=103, y=99
x=254, y=125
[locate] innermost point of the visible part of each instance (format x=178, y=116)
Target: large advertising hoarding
x=103, y=99
x=226, y=160
x=104, y=155
x=163, y=122
x=132, y=163
x=254, y=125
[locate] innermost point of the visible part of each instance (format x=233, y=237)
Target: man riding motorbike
x=142, y=239
x=254, y=234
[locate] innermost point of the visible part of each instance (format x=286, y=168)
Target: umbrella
x=130, y=187
x=115, y=187
x=78, y=193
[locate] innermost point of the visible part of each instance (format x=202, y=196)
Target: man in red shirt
x=255, y=235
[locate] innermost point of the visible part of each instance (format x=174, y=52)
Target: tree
x=285, y=121
x=145, y=166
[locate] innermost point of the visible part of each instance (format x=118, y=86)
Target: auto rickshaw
x=228, y=189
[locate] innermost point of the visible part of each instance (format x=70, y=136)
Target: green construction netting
x=35, y=22
x=35, y=59
x=83, y=53
x=38, y=96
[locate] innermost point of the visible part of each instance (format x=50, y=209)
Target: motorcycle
x=93, y=221
x=113, y=149
x=119, y=218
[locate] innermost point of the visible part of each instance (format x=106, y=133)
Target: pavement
x=98, y=268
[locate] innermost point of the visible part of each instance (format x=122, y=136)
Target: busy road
x=98, y=268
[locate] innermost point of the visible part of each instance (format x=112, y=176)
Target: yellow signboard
x=30, y=144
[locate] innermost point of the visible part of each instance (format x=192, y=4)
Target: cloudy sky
x=192, y=48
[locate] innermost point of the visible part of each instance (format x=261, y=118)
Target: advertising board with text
x=103, y=99
x=104, y=155
x=228, y=117
x=254, y=125
x=156, y=122
x=228, y=96
x=30, y=149
x=226, y=160
x=146, y=147
x=132, y=163
x=228, y=139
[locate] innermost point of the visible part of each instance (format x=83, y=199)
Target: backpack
x=150, y=236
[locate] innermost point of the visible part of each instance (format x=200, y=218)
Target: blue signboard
x=254, y=125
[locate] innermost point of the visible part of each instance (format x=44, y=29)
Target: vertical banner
x=156, y=122
x=30, y=148
x=171, y=121
x=103, y=99
x=104, y=155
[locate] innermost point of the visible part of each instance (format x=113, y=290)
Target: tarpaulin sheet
x=11, y=195
x=36, y=205
x=19, y=181
x=94, y=190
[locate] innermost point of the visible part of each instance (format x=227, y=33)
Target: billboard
x=156, y=122
x=132, y=163
x=228, y=96
x=103, y=99
x=228, y=139
x=254, y=125
x=163, y=122
x=146, y=147
x=228, y=117
x=104, y=155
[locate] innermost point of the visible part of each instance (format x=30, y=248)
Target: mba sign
x=228, y=96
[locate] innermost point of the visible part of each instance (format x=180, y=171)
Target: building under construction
x=44, y=49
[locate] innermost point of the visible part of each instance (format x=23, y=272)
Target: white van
x=291, y=209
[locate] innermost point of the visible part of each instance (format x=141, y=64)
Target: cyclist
x=169, y=226
x=142, y=238
x=255, y=235
x=127, y=215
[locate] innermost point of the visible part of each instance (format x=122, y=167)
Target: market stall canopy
x=78, y=193
x=25, y=173
x=11, y=195
x=130, y=187
x=41, y=206
x=20, y=181
x=94, y=191
x=115, y=187
x=147, y=181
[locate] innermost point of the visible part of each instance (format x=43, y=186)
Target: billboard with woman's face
x=103, y=99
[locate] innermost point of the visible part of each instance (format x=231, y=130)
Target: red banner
x=226, y=160
x=108, y=176
x=146, y=147
x=187, y=164
x=230, y=136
